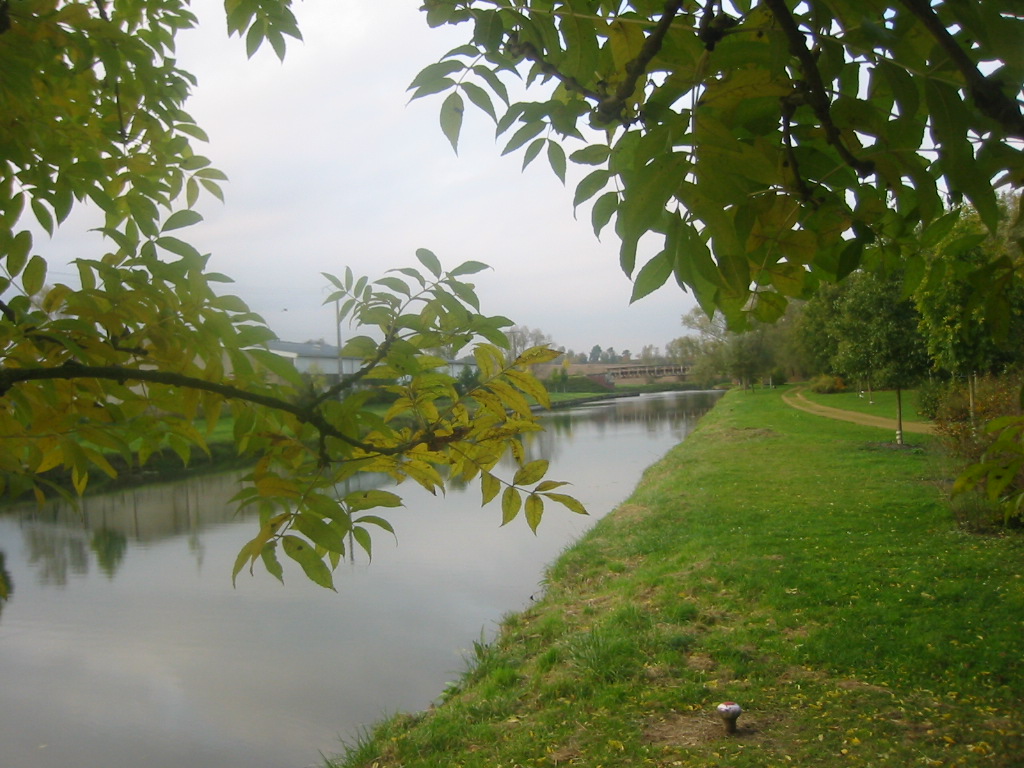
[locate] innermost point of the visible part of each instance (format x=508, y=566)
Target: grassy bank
x=799, y=566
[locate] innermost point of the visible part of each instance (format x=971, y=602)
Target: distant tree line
x=936, y=329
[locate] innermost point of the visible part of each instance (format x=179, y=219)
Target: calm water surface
x=123, y=643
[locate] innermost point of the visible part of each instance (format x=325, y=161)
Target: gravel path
x=797, y=400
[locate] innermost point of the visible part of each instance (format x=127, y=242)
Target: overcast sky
x=331, y=166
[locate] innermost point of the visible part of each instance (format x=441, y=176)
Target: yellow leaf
x=489, y=487
x=51, y=458
x=534, y=511
x=530, y=385
x=531, y=473
x=274, y=486
x=511, y=501
x=534, y=355
x=569, y=502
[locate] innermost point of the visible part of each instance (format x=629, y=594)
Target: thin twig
x=789, y=105
x=529, y=51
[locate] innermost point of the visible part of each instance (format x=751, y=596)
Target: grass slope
x=797, y=565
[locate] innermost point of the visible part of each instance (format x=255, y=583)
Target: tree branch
x=817, y=96
x=347, y=382
x=789, y=106
x=305, y=414
x=529, y=51
x=610, y=108
x=986, y=93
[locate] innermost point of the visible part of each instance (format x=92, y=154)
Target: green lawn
x=790, y=563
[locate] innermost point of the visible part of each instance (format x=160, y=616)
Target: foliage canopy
x=762, y=144
x=126, y=362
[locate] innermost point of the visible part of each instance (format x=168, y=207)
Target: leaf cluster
x=766, y=147
x=148, y=344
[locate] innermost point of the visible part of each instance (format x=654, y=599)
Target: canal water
x=123, y=643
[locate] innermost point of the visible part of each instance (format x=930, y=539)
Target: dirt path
x=797, y=400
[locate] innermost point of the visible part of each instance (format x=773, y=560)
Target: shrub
x=778, y=376
x=963, y=437
x=968, y=442
x=827, y=385
x=930, y=395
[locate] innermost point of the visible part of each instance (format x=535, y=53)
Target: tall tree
x=92, y=108
x=764, y=144
x=877, y=339
x=964, y=333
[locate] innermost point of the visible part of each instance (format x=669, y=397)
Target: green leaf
x=556, y=157
x=591, y=184
x=493, y=81
x=34, y=277
x=429, y=260
x=43, y=215
x=378, y=521
x=469, y=268
x=451, y=118
x=302, y=553
x=270, y=561
x=359, y=500
x=480, y=98
x=532, y=151
x=394, y=284
x=523, y=135
x=277, y=365
x=654, y=274
x=319, y=532
x=435, y=73
x=595, y=154
x=17, y=254
x=362, y=537
x=646, y=196
x=178, y=247
x=253, y=39
x=179, y=219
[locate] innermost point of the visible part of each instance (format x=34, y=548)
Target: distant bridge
x=611, y=372
x=644, y=371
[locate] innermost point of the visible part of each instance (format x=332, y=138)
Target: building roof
x=304, y=349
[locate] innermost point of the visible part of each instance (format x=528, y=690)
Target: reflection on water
x=122, y=642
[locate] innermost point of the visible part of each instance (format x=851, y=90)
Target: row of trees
x=887, y=329
x=523, y=337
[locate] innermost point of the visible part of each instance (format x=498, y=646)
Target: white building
x=320, y=358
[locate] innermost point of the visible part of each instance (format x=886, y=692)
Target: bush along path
x=789, y=563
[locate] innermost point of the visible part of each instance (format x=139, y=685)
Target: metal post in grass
x=730, y=712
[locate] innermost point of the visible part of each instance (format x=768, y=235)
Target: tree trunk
x=972, y=388
x=899, y=416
